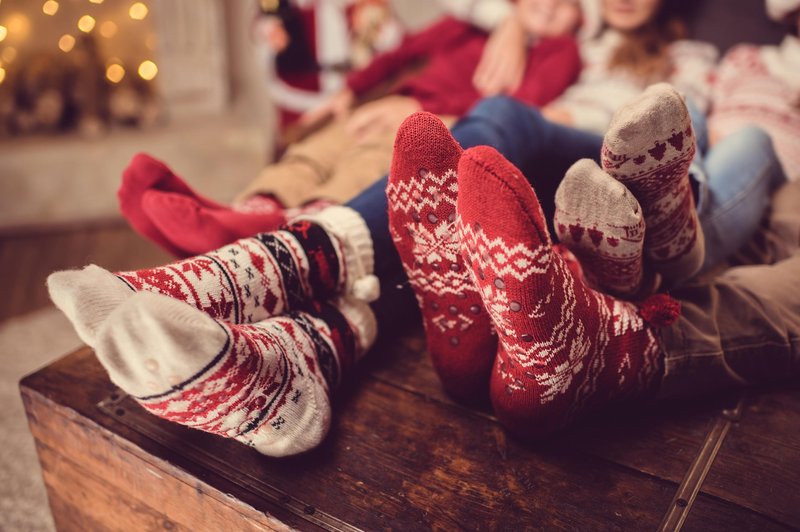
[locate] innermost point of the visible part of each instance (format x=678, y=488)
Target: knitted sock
x=649, y=147
x=600, y=221
x=266, y=384
x=244, y=282
x=189, y=225
x=422, y=193
x=143, y=174
x=564, y=349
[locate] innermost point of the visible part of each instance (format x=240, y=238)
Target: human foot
x=648, y=148
x=601, y=222
x=244, y=282
x=267, y=384
x=422, y=194
x=564, y=348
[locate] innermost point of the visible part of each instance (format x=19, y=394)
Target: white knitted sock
x=249, y=280
x=265, y=384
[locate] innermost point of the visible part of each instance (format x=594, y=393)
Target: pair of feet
x=160, y=206
x=501, y=304
x=247, y=341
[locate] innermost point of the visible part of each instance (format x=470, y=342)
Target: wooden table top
x=402, y=455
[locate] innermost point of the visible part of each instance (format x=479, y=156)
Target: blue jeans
x=740, y=173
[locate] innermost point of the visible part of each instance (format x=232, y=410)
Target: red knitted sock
x=422, y=193
x=246, y=281
x=648, y=148
x=564, y=349
x=146, y=173
x=192, y=226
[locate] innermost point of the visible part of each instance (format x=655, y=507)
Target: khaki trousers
x=328, y=164
x=743, y=326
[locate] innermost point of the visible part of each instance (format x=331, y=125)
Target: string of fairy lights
x=18, y=25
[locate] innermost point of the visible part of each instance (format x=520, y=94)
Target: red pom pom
x=660, y=310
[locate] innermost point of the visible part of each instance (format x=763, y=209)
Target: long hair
x=645, y=51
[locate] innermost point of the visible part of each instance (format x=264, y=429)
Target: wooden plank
x=658, y=439
x=84, y=498
x=758, y=466
x=710, y=513
x=393, y=460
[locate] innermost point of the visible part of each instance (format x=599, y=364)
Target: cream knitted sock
x=267, y=384
x=601, y=222
x=648, y=148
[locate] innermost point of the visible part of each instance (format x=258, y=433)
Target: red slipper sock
x=422, y=193
x=146, y=173
x=189, y=225
x=267, y=384
x=564, y=349
x=649, y=147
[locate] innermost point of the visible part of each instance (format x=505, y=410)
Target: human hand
x=270, y=30
x=557, y=114
x=502, y=63
x=385, y=114
x=337, y=106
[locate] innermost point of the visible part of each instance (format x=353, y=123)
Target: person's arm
x=413, y=47
x=485, y=14
x=547, y=78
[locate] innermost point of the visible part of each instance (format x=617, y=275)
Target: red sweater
x=451, y=51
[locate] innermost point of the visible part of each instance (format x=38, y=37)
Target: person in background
x=353, y=149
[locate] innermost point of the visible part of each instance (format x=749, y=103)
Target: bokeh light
x=86, y=23
x=138, y=11
x=115, y=72
x=148, y=70
x=50, y=7
x=66, y=43
x=108, y=29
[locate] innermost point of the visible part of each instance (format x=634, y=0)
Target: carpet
x=26, y=344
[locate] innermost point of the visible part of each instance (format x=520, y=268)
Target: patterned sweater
x=760, y=85
x=599, y=91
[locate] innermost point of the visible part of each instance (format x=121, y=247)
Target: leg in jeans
x=741, y=170
x=742, y=327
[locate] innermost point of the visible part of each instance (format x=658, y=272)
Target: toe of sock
x=87, y=297
x=152, y=344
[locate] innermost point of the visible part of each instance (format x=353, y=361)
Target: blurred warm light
x=108, y=29
x=96, y=1
x=66, y=43
x=9, y=54
x=50, y=7
x=138, y=11
x=18, y=25
x=115, y=72
x=150, y=42
x=3, y=33
x=2, y=74
x=148, y=70
x=86, y=23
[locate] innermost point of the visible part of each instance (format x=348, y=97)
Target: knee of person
x=497, y=108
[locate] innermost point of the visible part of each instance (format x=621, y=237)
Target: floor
x=33, y=334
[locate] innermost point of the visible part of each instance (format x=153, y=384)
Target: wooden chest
x=402, y=456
